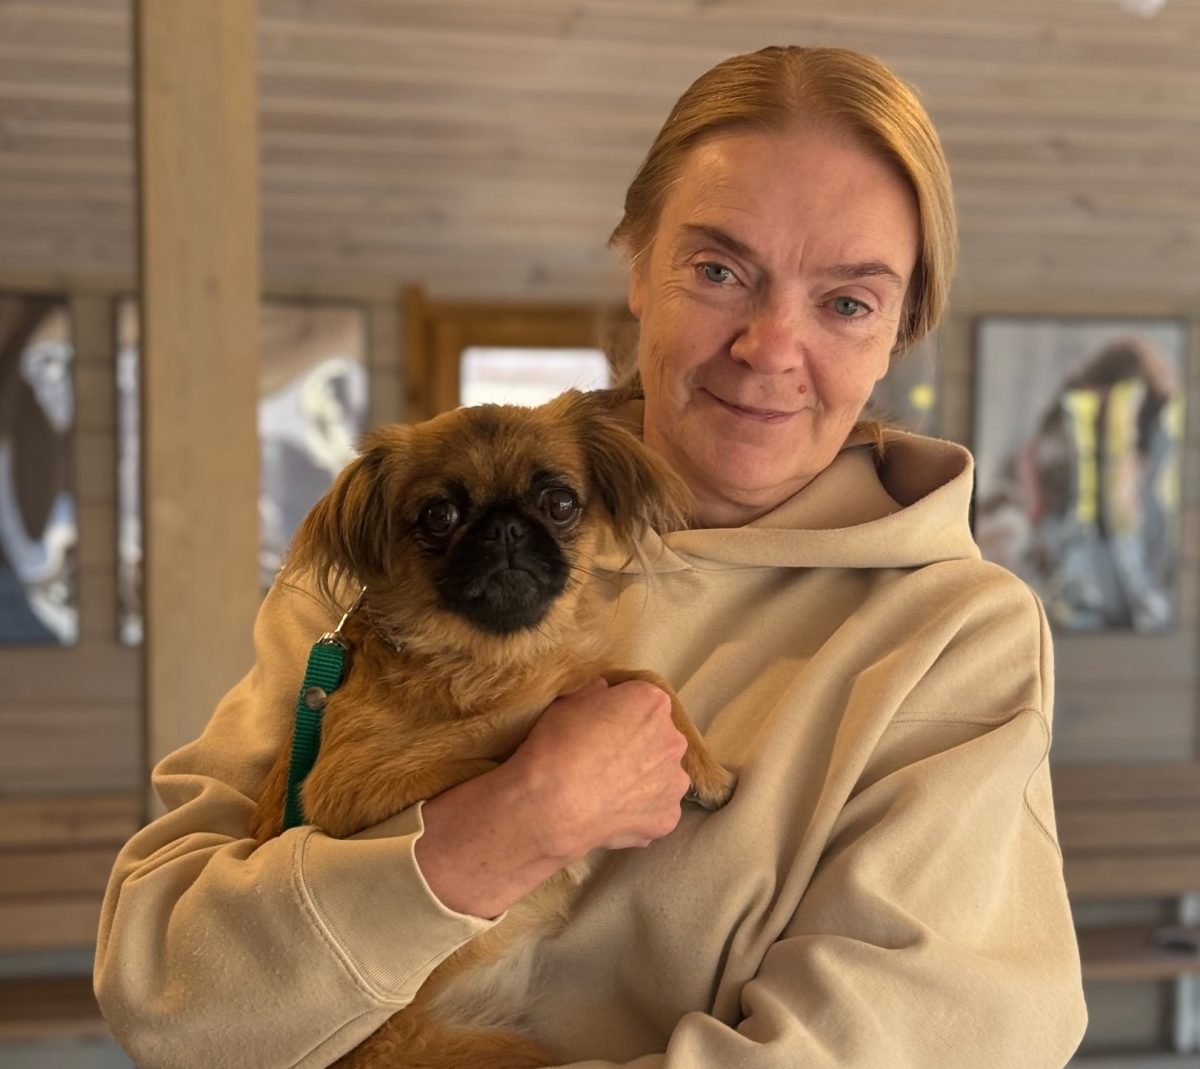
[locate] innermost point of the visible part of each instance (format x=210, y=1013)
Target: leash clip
x=334, y=637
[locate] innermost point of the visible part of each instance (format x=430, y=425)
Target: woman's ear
x=347, y=535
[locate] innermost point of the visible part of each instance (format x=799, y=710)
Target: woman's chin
x=746, y=480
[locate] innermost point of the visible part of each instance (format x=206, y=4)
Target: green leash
x=322, y=676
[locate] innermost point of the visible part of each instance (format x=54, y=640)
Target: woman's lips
x=759, y=415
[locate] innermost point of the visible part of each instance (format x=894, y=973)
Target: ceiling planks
x=483, y=146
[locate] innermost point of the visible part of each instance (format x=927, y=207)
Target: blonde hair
x=781, y=88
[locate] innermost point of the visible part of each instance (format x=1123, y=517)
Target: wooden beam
x=199, y=259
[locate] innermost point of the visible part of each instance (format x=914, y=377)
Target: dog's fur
x=462, y=639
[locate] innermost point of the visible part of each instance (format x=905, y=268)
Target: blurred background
x=235, y=235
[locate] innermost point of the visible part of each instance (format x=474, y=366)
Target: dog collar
x=322, y=676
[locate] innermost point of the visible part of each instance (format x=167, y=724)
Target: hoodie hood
x=905, y=509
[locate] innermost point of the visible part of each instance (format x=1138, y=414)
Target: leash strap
x=322, y=676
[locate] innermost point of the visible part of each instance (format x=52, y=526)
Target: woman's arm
x=601, y=768
x=212, y=951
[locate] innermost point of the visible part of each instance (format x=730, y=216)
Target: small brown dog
x=471, y=533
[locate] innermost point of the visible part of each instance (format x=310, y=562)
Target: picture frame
x=1079, y=440
x=312, y=410
x=39, y=530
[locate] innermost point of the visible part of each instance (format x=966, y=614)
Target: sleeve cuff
x=370, y=897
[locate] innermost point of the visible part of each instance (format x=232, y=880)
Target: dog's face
x=477, y=526
x=497, y=514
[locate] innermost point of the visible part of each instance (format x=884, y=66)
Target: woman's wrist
x=481, y=850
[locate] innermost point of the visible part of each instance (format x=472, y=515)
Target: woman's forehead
x=767, y=191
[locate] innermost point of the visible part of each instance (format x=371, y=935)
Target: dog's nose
x=506, y=528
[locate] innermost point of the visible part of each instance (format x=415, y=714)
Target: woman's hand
x=601, y=768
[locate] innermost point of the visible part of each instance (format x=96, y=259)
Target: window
x=462, y=353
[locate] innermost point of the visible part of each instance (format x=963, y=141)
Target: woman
x=884, y=889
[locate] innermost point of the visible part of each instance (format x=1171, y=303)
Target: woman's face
x=769, y=303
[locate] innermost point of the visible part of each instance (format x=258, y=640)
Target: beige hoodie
x=884, y=890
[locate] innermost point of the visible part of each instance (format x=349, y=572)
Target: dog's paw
x=712, y=786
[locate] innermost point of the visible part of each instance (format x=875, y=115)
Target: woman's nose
x=773, y=338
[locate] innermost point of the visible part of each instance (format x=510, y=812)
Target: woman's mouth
x=758, y=415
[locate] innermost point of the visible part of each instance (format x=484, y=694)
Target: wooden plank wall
x=433, y=141
x=71, y=720
x=55, y=856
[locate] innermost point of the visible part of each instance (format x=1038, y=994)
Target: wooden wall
x=72, y=719
x=482, y=147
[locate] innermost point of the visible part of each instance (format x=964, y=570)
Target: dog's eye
x=439, y=517
x=560, y=505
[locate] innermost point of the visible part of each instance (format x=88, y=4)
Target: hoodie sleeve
x=935, y=930
x=213, y=951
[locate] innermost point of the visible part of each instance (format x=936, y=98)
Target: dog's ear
x=638, y=488
x=347, y=536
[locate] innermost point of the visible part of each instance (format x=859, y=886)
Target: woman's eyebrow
x=720, y=237
x=864, y=269
x=846, y=272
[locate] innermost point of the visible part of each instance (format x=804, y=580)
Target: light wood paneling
x=35, y=873
x=1128, y=1017
x=55, y=855
x=1122, y=954
x=79, y=819
x=65, y=745
x=506, y=133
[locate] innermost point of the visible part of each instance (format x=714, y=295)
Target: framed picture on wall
x=312, y=409
x=1078, y=437
x=38, y=529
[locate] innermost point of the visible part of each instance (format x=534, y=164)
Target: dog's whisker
x=551, y=640
x=599, y=576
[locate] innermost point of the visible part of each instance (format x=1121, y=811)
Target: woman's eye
x=439, y=517
x=849, y=307
x=716, y=273
x=560, y=505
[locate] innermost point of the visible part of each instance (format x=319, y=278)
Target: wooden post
x=200, y=285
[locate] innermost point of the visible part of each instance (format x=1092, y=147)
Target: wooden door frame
x=436, y=333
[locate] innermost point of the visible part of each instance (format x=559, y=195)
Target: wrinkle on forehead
x=845, y=212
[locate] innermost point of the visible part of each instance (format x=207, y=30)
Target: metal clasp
x=334, y=637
